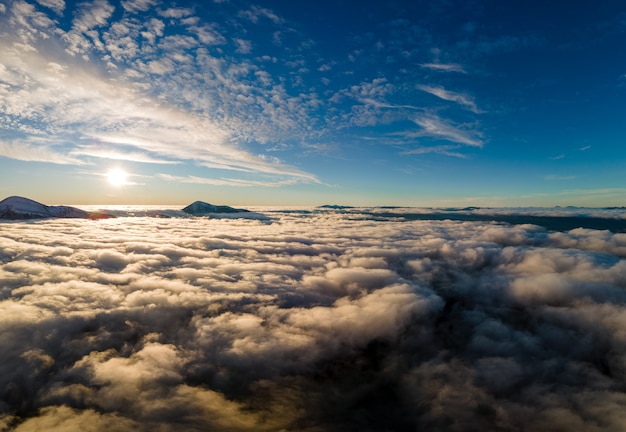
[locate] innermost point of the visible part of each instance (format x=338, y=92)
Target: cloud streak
x=318, y=320
x=444, y=67
x=435, y=127
x=443, y=150
x=226, y=181
x=447, y=95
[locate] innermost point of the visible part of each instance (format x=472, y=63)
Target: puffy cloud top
x=315, y=321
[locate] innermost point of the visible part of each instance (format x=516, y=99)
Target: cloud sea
x=310, y=320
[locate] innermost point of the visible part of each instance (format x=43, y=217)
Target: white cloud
x=445, y=150
x=233, y=182
x=133, y=73
x=442, y=93
x=176, y=12
x=83, y=36
x=38, y=150
x=56, y=5
x=125, y=120
x=138, y=5
x=170, y=68
x=94, y=14
x=243, y=46
x=376, y=89
x=435, y=127
x=99, y=152
x=324, y=68
x=32, y=23
x=208, y=35
x=255, y=13
x=444, y=67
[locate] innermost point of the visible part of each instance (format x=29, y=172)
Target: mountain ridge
x=17, y=207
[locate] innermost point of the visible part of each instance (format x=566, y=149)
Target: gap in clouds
x=321, y=320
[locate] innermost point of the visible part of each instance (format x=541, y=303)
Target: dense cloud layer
x=313, y=322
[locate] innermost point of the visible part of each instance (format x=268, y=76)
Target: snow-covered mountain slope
x=16, y=207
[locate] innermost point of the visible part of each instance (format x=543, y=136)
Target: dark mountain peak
x=199, y=208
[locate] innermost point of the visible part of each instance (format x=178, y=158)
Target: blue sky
x=418, y=103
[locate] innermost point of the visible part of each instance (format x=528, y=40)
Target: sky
x=310, y=321
x=417, y=103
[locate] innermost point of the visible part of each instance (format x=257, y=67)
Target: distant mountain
x=334, y=207
x=200, y=208
x=16, y=207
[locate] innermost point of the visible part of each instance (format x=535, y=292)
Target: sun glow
x=117, y=177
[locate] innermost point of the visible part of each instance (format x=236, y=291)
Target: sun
x=117, y=177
